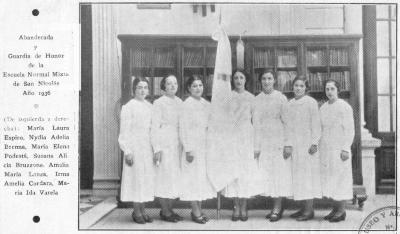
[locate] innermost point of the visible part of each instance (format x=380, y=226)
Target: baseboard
x=106, y=185
x=110, y=188
x=259, y=202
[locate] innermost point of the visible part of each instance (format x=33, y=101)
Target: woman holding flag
x=222, y=156
x=229, y=126
x=270, y=137
x=248, y=183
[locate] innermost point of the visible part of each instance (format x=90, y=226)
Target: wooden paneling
x=324, y=17
x=385, y=170
x=86, y=100
x=369, y=31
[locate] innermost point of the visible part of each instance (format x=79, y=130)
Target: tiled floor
x=119, y=219
x=87, y=202
x=88, y=199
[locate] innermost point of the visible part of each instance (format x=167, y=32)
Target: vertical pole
x=218, y=205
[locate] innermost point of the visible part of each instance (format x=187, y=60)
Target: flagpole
x=219, y=193
x=218, y=205
x=221, y=94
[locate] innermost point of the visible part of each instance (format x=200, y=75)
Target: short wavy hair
x=164, y=80
x=190, y=81
x=335, y=82
x=266, y=71
x=136, y=82
x=246, y=76
x=302, y=78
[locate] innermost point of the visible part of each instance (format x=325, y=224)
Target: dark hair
x=164, y=80
x=246, y=76
x=302, y=78
x=136, y=82
x=190, y=81
x=265, y=72
x=335, y=82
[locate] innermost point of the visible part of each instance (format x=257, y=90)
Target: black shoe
x=235, y=218
x=138, y=219
x=171, y=218
x=305, y=217
x=178, y=217
x=244, y=218
x=297, y=214
x=268, y=216
x=330, y=215
x=205, y=217
x=336, y=219
x=198, y=219
x=276, y=216
x=147, y=219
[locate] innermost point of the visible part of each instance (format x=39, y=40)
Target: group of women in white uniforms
x=286, y=149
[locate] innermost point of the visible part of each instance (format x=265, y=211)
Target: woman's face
x=267, y=81
x=239, y=80
x=331, y=91
x=299, y=88
x=196, y=89
x=142, y=90
x=171, y=85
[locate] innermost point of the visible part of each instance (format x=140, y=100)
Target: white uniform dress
x=193, y=132
x=137, y=182
x=304, y=130
x=249, y=182
x=337, y=135
x=165, y=138
x=270, y=138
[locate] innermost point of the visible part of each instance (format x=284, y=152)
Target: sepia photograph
x=238, y=116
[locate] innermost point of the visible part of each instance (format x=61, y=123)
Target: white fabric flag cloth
x=222, y=156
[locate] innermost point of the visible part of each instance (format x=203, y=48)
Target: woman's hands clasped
x=313, y=149
x=189, y=157
x=287, y=152
x=344, y=155
x=157, y=158
x=129, y=159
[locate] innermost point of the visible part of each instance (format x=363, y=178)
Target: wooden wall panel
x=86, y=103
x=324, y=18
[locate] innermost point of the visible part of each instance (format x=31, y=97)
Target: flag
x=223, y=66
x=222, y=154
